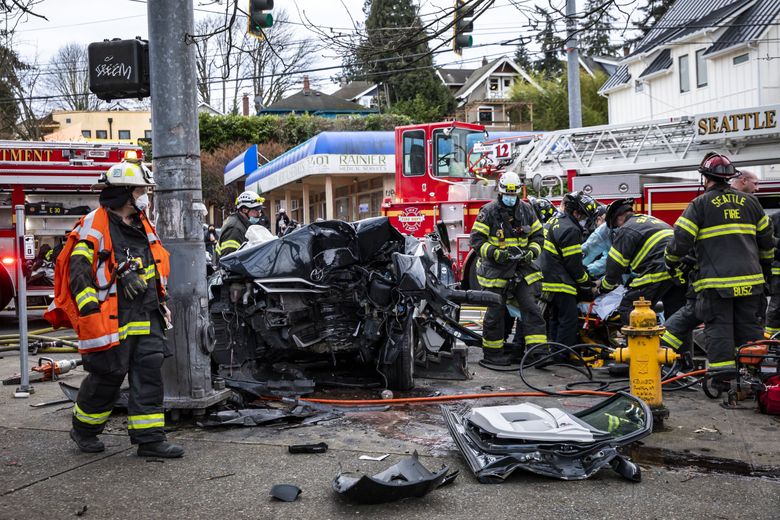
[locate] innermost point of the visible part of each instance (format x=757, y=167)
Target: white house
x=702, y=56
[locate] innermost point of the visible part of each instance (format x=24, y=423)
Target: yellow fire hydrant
x=645, y=357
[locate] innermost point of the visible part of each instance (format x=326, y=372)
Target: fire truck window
x=414, y=153
x=449, y=149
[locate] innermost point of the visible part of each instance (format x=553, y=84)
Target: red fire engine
x=445, y=172
x=53, y=181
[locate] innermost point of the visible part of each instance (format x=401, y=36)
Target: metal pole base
x=24, y=392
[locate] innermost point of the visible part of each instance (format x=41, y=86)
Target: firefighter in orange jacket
x=110, y=287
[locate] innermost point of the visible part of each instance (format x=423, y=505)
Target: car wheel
x=400, y=374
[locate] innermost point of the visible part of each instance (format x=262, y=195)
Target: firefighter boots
x=87, y=443
x=496, y=356
x=162, y=449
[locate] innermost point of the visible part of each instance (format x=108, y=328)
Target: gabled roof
x=354, y=90
x=689, y=17
x=604, y=64
x=662, y=62
x=748, y=26
x=454, y=77
x=620, y=78
x=481, y=74
x=313, y=101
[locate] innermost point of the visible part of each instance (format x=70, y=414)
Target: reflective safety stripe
x=727, y=283
x=141, y=422
x=618, y=257
x=484, y=250
x=576, y=249
x=90, y=418
x=89, y=294
x=687, y=225
x=763, y=223
x=481, y=228
x=771, y=330
x=102, y=341
x=776, y=270
x=648, y=245
x=650, y=278
x=613, y=423
x=536, y=226
x=151, y=237
x=497, y=343
x=671, y=340
x=606, y=285
x=149, y=272
x=726, y=229
x=509, y=241
x=721, y=364
x=559, y=287
x=550, y=247
x=84, y=250
x=491, y=282
x=536, y=248
x=533, y=277
x=227, y=244
x=767, y=254
x=583, y=278
x=672, y=258
x=535, y=338
x=135, y=328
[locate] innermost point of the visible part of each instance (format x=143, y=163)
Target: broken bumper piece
x=407, y=479
x=497, y=440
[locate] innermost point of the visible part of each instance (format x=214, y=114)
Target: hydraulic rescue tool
x=645, y=357
x=755, y=364
x=47, y=371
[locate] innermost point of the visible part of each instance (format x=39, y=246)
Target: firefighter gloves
x=501, y=256
x=132, y=284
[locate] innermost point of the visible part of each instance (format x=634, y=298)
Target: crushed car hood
x=497, y=440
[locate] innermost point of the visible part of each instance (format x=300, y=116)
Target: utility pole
x=179, y=204
x=573, y=65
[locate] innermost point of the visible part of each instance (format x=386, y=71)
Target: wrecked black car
x=496, y=440
x=335, y=303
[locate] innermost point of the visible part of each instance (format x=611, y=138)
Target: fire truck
x=445, y=172
x=52, y=180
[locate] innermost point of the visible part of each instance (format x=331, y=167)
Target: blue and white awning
x=242, y=165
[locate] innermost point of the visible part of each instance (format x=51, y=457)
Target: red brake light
x=8, y=260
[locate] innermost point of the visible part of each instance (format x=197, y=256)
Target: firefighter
x=773, y=310
x=110, y=286
x=249, y=212
x=638, y=245
x=732, y=240
x=508, y=238
x=746, y=182
x=565, y=277
x=543, y=208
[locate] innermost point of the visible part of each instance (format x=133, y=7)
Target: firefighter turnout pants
x=773, y=315
x=728, y=324
x=142, y=357
x=564, y=322
x=679, y=328
x=493, y=329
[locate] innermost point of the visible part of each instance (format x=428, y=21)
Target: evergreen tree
x=549, y=64
x=10, y=66
x=650, y=14
x=597, y=29
x=395, y=54
x=521, y=56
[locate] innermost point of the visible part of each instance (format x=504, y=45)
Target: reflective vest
x=100, y=330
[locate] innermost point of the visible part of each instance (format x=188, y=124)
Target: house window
x=701, y=69
x=494, y=84
x=101, y=134
x=67, y=120
x=639, y=85
x=742, y=58
x=124, y=134
x=685, y=83
x=414, y=153
x=507, y=83
x=486, y=115
x=86, y=133
x=147, y=134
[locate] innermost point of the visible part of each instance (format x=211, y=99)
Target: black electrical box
x=119, y=69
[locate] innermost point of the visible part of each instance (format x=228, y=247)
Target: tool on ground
x=46, y=370
x=645, y=356
x=755, y=364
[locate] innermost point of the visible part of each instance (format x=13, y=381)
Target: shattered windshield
x=620, y=417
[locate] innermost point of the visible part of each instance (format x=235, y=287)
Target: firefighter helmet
x=130, y=172
x=581, y=202
x=509, y=184
x=249, y=200
x=617, y=208
x=543, y=208
x=717, y=167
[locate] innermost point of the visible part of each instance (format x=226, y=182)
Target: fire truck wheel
x=6, y=287
x=400, y=374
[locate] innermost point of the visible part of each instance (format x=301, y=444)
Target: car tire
x=400, y=374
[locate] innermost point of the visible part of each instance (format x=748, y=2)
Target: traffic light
x=464, y=24
x=119, y=69
x=259, y=19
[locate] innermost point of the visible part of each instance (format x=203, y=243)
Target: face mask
x=509, y=200
x=254, y=220
x=142, y=202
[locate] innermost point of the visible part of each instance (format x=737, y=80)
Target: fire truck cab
x=53, y=181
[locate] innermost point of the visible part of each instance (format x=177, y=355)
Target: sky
x=85, y=21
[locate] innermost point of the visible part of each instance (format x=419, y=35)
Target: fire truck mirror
x=536, y=183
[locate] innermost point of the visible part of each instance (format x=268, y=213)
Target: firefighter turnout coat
x=498, y=227
x=561, y=259
x=233, y=234
x=732, y=238
x=92, y=311
x=638, y=246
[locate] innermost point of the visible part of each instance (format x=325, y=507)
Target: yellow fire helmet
x=130, y=172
